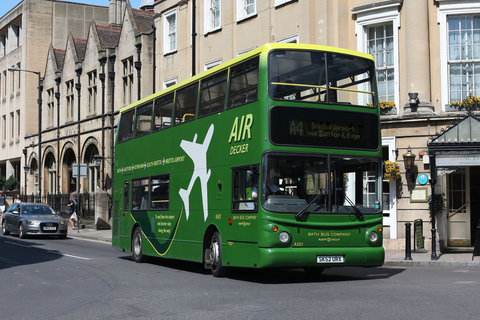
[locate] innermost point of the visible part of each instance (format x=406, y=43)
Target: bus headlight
x=373, y=237
x=283, y=237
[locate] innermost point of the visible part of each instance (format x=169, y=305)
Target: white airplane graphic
x=198, y=153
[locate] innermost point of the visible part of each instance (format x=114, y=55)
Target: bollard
x=408, y=241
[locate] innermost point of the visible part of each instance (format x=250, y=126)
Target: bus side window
x=162, y=115
x=143, y=119
x=245, y=189
x=140, y=194
x=243, y=83
x=186, y=104
x=212, y=94
x=125, y=128
x=160, y=192
x=126, y=193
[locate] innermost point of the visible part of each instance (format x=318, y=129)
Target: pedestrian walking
x=3, y=203
x=17, y=199
x=72, y=207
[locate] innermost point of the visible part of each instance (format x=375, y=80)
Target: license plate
x=49, y=228
x=329, y=259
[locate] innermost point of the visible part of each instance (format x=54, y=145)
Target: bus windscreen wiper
x=299, y=215
x=358, y=214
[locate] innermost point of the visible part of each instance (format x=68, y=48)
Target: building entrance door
x=458, y=209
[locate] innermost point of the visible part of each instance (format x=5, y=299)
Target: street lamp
x=39, y=102
x=26, y=168
x=409, y=161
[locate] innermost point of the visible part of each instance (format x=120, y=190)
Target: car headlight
x=30, y=222
x=62, y=222
x=373, y=237
x=283, y=237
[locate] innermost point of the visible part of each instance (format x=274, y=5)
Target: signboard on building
x=82, y=171
x=457, y=160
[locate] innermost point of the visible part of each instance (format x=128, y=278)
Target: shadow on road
x=281, y=275
x=16, y=252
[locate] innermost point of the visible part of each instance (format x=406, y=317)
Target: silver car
x=33, y=219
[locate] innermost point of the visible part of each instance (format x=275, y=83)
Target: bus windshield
x=321, y=77
x=335, y=184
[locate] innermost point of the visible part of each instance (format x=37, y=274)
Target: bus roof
x=262, y=49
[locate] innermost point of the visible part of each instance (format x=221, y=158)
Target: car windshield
x=327, y=184
x=37, y=210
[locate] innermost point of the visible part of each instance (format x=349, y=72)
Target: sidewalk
x=392, y=258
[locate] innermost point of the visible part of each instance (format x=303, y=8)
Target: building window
x=170, y=82
x=18, y=124
x=70, y=100
x=4, y=88
x=50, y=107
x=463, y=56
x=4, y=126
x=12, y=125
x=92, y=92
x=459, y=23
x=170, y=32
x=127, y=80
x=52, y=175
x=377, y=27
x=212, y=64
x=246, y=9
x=380, y=46
x=290, y=39
x=281, y=2
x=212, y=15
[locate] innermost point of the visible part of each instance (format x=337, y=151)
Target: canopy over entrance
x=457, y=151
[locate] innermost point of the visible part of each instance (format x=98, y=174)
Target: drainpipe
x=154, y=55
x=138, y=66
x=102, y=61
x=194, y=35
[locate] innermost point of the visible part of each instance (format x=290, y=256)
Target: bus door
x=125, y=210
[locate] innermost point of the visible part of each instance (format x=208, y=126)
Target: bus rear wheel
x=137, y=241
x=213, y=256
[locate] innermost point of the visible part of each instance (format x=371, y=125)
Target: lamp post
x=26, y=168
x=39, y=102
x=78, y=86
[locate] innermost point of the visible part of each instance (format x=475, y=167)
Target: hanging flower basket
x=391, y=171
x=385, y=106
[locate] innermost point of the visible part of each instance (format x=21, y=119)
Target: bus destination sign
x=324, y=128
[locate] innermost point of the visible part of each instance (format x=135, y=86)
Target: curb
x=446, y=264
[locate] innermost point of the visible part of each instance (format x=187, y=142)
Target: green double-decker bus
x=272, y=159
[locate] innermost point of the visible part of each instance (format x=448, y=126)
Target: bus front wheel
x=213, y=256
x=137, y=252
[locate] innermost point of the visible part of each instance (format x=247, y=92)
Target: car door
x=13, y=216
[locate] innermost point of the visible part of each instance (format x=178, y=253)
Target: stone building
x=26, y=32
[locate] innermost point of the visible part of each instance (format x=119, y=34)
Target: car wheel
x=4, y=228
x=218, y=270
x=21, y=231
x=137, y=241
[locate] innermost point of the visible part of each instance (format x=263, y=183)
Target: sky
x=7, y=5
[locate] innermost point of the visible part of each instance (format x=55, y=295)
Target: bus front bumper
x=321, y=257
